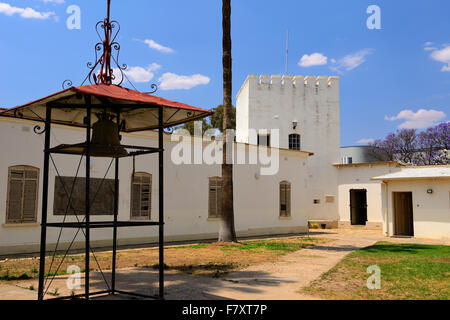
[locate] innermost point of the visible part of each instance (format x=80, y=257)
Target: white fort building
x=310, y=184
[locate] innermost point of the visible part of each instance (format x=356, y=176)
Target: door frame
x=395, y=217
x=350, y=205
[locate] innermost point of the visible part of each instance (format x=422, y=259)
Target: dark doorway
x=358, y=207
x=403, y=214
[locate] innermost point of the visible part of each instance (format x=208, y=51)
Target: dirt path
x=273, y=281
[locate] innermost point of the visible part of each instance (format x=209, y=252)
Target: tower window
x=264, y=140
x=294, y=141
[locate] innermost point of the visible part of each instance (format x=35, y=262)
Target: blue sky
x=398, y=76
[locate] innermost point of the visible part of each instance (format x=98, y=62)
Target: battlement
x=308, y=81
x=320, y=84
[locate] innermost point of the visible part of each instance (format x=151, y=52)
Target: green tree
x=216, y=119
x=189, y=126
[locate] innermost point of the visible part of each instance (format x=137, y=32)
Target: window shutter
x=288, y=199
x=22, y=197
x=141, y=195
x=15, y=200
x=215, y=197
x=212, y=201
x=29, y=200
x=285, y=199
x=135, y=200
x=282, y=200
x=219, y=196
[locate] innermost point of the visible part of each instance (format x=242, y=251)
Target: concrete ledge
x=79, y=245
x=21, y=225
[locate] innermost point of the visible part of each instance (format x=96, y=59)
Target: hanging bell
x=105, y=140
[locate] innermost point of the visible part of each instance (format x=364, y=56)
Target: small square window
x=316, y=201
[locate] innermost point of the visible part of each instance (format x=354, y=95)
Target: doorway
x=358, y=207
x=403, y=214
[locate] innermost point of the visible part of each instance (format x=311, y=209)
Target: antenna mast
x=287, y=50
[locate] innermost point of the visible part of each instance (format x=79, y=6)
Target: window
x=285, y=199
x=329, y=199
x=23, y=185
x=215, y=197
x=141, y=196
x=294, y=141
x=264, y=140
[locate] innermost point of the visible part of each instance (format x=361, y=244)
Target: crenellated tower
x=307, y=109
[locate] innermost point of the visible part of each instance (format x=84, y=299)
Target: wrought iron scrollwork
x=154, y=89
x=38, y=129
x=67, y=84
x=101, y=71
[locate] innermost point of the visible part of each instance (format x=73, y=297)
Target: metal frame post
x=116, y=212
x=161, y=200
x=48, y=116
x=88, y=204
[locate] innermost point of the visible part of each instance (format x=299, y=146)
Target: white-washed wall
x=186, y=191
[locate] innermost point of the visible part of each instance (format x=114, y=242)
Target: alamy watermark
x=73, y=282
x=374, y=20
x=202, y=149
x=374, y=281
x=73, y=22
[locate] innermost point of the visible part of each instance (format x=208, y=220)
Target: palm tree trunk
x=227, y=231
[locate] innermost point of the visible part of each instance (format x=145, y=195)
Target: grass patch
x=408, y=272
x=211, y=259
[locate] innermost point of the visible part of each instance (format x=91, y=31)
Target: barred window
x=22, y=203
x=215, y=197
x=294, y=141
x=285, y=199
x=141, y=196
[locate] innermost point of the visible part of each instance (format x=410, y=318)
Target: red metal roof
x=137, y=108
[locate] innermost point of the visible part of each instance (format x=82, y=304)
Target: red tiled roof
x=137, y=108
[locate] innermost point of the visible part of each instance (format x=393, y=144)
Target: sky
x=393, y=75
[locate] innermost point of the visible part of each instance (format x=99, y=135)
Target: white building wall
x=431, y=212
x=314, y=104
x=358, y=176
x=186, y=191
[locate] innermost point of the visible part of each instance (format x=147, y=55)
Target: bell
x=105, y=140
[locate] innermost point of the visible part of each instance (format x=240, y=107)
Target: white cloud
x=315, y=59
x=418, y=120
x=352, y=61
x=365, y=141
x=139, y=74
x=428, y=44
x=442, y=55
x=172, y=81
x=152, y=44
x=27, y=13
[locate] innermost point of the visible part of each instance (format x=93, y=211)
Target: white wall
x=186, y=191
x=431, y=212
x=358, y=176
x=314, y=104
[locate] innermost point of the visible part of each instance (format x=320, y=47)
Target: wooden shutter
x=29, y=200
x=285, y=199
x=23, y=194
x=15, y=200
x=141, y=196
x=215, y=197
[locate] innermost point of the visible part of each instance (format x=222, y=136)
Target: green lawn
x=408, y=271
